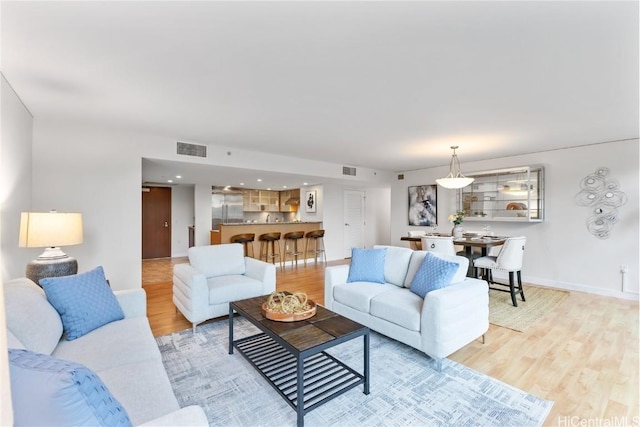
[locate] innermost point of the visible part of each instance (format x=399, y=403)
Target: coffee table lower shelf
x=324, y=377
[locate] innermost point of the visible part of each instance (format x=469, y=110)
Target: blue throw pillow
x=367, y=265
x=55, y=392
x=84, y=301
x=434, y=273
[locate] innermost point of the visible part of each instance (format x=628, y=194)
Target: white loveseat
x=444, y=321
x=215, y=276
x=123, y=353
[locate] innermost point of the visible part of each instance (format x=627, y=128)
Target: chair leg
x=194, y=328
x=512, y=289
x=520, y=285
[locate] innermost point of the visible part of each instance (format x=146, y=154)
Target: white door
x=353, y=220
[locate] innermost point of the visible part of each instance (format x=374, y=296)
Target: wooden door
x=156, y=223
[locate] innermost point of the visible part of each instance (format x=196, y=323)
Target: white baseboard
x=537, y=281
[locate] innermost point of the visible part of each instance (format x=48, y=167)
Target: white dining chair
x=509, y=260
x=440, y=244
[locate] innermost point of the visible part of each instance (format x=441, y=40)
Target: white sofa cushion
x=418, y=256
x=358, y=295
x=150, y=397
x=30, y=317
x=224, y=289
x=396, y=264
x=119, y=342
x=229, y=259
x=399, y=306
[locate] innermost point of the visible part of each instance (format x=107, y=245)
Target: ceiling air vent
x=346, y=170
x=400, y=176
x=192, y=149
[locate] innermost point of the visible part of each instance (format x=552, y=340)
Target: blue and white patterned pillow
x=434, y=273
x=367, y=265
x=55, y=392
x=84, y=301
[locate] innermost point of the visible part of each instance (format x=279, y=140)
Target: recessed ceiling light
x=304, y=183
x=169, y=181
x=284, y=186
x=179, y=176
x=242, y=183
x=259, y=179
x=269, y=188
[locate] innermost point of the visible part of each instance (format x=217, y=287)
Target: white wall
x=97, y=171
x=560, y=251
x=15, y=197
x=15, y=173
x=182, y=216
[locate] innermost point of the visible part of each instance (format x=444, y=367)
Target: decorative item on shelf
x=455, y=179
x=457, y=219
x=50, y=230
x=288, y=307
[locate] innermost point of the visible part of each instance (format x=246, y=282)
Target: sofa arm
x=190, y=292
x=334, y=275
x=133, y=302
x=262, y=271
x=454, y=316
x=187, y=416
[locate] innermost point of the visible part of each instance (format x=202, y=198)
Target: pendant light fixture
x=455, y=179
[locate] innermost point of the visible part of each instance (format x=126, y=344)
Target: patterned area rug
x=405, y=387
x=539, y=302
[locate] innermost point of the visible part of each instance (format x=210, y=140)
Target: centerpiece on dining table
x=288, y=307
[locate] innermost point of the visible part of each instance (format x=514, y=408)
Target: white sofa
x=123, y=353
x=444, y=321
x=215, y=276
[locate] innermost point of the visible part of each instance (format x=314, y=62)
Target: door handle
x=346, y=225
x=166, y=224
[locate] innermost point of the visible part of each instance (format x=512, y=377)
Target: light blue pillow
x=367, y=265
x=84, y=301
x=434, y=273
x=54, y=392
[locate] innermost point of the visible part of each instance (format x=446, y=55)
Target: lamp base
x=41, y=268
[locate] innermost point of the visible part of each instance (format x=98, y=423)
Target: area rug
x=405, y=387
x=539, y=302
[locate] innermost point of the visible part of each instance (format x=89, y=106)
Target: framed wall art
x=310, y=201
x=423, y=206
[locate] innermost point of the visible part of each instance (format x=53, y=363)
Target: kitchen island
x=225, y=231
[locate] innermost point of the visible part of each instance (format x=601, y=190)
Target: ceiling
x=382, y=85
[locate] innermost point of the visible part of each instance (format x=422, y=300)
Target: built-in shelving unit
x=514, y=194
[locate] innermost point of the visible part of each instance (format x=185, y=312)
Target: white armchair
x=215, y=276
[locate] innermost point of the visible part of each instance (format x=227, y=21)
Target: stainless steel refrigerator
x=226, y=208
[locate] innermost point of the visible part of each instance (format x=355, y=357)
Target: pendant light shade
x=455, y=179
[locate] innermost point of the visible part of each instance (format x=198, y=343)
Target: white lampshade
x=454, y=182
x=455, y=179
x=50, y=229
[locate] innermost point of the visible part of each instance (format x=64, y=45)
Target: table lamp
x=50, y=230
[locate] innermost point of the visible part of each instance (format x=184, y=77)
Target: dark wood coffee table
x=291, y=356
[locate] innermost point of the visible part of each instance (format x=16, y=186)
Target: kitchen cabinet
x=251, y=201
x=269, y=200
x=514, y=195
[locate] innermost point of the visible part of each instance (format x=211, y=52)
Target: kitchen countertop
x=271, y=223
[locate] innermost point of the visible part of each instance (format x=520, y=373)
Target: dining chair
x=440, y=244
x=510, y=260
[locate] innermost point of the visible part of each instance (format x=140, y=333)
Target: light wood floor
x=583, y=356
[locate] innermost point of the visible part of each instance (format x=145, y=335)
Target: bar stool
x=292, y=238
x=270, y=240
x=317, y=236
x=246, y=240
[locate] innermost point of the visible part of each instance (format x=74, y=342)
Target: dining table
x=468, y=241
